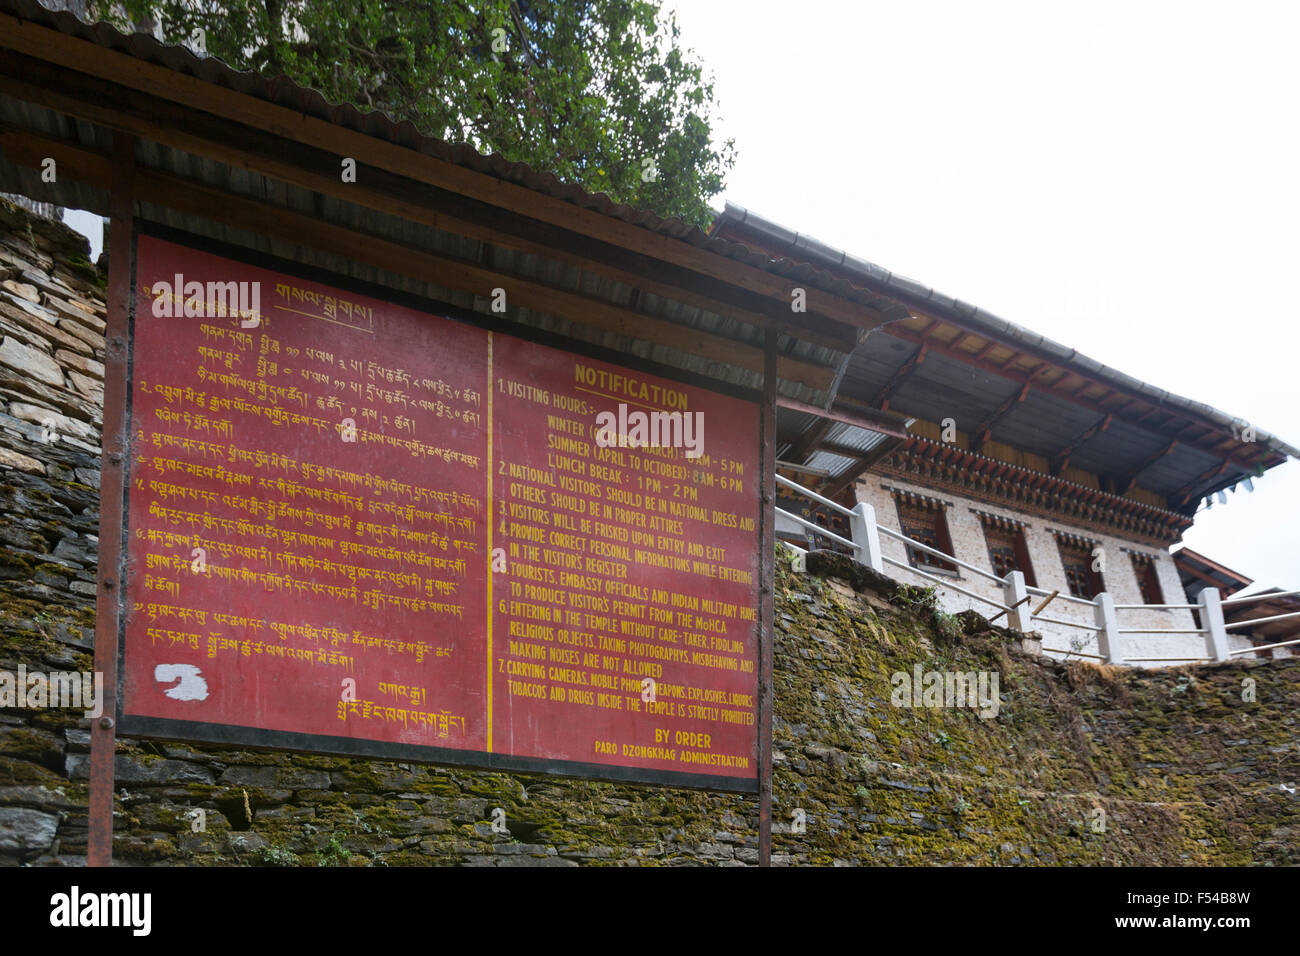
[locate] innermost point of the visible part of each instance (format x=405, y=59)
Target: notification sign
x=357, y=527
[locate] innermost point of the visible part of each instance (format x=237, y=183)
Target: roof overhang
x=1198, y=572
x=255, y=162
x=1004, y=383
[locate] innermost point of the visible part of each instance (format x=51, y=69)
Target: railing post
x=1015, y=595
x=1107, y=629
x=863, y=531
x=1216, y=635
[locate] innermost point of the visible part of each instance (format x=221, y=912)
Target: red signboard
x=356, y=527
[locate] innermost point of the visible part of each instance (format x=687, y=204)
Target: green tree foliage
x=599, y=92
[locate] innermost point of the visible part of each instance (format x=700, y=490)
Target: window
x=804, y=537
x=1144, y=566
x=1007, y=548
x=922, y=519
x=834, y=522
x=1076, y=557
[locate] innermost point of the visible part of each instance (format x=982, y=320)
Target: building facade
x=1017, y=454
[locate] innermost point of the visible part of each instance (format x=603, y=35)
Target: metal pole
x=1260, y=620
x=116, y=455
x=767, y=564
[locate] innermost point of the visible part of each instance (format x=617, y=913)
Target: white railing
x=1266, y=596
x=864, y=541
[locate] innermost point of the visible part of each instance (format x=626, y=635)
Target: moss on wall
x=1184, y=769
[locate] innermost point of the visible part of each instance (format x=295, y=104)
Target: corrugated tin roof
x=1044, y=423
x=861, y=271
x=242, y=182
x=76, y=194
x=285, y=92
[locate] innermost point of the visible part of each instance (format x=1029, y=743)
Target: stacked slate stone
x=52, y=320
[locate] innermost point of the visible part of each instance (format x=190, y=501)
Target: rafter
x=984, y=430
x=1184, y=494
x=809, y=440
x=299, y=164
x=1150, y=460
x=861, y=464
x=1061, y=460
x=76, y=162
x=904, y=372
x=200, y=95
x=1121, y=414
x=1198, y=573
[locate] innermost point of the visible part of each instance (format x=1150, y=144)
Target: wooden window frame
x=1144, y=569
x=942, y=537
x=1096, y=581
x=1019, y=547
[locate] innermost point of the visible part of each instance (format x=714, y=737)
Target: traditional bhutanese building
x=1009, y=451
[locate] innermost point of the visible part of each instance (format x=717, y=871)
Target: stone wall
x=1185, y=770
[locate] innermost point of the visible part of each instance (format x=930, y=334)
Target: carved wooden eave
x=969, y=475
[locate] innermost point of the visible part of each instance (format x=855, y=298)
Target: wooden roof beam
x=30, y=149
x=899, y=331
x=72, y=53
x=984, y=430
x=901, y=375
x=860, y=466
x=868, y=418
x=1061, y=460
x=1198, y=573
x=260, y=152
x=809, y=440
x=1184, y=494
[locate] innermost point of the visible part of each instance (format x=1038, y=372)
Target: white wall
x=970, y=545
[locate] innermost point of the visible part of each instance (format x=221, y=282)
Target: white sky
x=1121, y=177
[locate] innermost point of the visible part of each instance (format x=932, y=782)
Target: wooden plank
x=807, y=442
x=845, y=451
x=886, y=424
x=201, y=200
x=984, y=430
x=1184, y=494
x=110, y=595
x=860, y=466
x=1061, y=460
x=83, y=56
x=900, y=376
